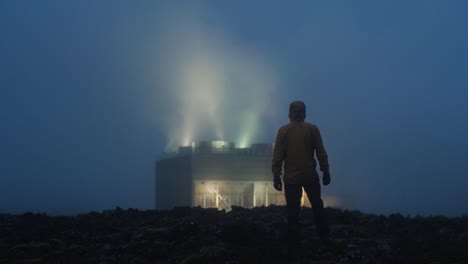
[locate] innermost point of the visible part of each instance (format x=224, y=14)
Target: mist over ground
x=93, y=92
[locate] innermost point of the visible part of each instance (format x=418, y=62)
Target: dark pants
x=293, y=194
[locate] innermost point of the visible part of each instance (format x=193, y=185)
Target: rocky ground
x=196, y=235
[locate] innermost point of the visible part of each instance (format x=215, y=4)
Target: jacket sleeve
x=320, y=152
x=278, y=154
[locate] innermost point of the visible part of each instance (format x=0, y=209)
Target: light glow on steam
x=215, y=89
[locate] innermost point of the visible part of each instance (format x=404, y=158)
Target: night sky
x=92, y=93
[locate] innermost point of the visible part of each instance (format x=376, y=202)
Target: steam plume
x=213, y=88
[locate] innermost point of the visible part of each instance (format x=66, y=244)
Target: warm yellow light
x=219, y=144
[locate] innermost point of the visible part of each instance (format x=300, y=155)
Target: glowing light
x=332, y=201
x=248, y=129
x=225, y=194
x=213, y=86
x=219, y=144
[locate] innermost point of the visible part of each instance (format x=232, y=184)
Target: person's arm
x=278, y=155
x=320, y=152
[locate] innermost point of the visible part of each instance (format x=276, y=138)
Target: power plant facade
x=216, y=174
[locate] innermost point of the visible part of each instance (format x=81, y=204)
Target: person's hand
x=277, y=184
x=326, y=178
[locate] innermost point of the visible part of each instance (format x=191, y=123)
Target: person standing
x=295, y=146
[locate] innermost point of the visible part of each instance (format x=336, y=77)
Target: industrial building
x=217, y=174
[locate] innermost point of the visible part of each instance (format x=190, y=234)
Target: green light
x=248, y=129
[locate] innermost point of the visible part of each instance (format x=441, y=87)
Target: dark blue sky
x=81, y=96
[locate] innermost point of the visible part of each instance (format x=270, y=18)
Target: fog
x=211, y=87
x=92, y=93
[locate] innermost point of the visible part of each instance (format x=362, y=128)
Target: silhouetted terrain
x=196, y=235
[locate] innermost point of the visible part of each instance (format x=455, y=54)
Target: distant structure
x=216, y=174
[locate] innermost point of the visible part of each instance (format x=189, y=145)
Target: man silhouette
x=295, y=145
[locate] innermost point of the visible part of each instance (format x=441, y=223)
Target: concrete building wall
x=231, y=167
x=173, y=182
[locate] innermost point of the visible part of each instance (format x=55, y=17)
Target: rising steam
x=212, y=88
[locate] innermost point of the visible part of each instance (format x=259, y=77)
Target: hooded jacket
x=296, y=144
